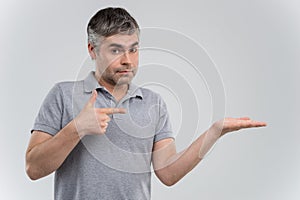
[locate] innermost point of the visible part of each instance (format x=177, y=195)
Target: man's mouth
x=124, y=71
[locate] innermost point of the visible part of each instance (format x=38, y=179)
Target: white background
x=255, y=45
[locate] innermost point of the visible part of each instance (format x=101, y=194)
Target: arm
x=171, y=166
x=46, y=153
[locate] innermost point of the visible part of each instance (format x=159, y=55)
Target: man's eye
x=115, y=51
x=133, y=50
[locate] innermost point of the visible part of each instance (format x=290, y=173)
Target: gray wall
x=252, y=47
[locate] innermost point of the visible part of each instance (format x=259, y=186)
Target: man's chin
x=124, y=81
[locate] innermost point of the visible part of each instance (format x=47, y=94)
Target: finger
x=259, y=124
x=107, y=119
x=104, y=127
x=110, y=111
x=104, y=130
x=93, y=98
x=103, y=124
x=102, y=117
x=250, y=124
x=244, y=118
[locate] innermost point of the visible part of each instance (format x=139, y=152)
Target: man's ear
x=92, y=52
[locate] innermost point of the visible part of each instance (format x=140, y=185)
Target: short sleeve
x=163, y=127
x=49, y=118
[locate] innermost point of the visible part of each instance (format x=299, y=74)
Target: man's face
x=117, y=59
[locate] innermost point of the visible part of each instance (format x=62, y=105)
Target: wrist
x=215, y=131
x=78, y=128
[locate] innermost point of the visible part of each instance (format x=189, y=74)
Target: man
x=101, y=135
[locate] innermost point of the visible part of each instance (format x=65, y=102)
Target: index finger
x=110, y=111
x=251, y=124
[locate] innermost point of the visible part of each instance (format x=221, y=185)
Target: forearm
x=173, y=166
x=44, y=158
x=182, y=163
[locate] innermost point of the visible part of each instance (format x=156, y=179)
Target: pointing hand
x=94, y=121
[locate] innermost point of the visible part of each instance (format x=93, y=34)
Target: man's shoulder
x=65, y=88
x=68, y=85
x=150, y=94
x=147, y=91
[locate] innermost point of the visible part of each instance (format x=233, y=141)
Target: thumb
x=92, y=99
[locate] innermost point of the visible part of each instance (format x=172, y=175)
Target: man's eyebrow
x=121, y=46
x=135, y=44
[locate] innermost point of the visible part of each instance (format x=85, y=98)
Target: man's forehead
x=122, y=40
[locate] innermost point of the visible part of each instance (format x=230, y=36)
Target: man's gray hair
x=110, y=21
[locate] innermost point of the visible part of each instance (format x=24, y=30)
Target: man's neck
x=117, y=91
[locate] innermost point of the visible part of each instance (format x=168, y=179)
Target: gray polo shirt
x=116, y=165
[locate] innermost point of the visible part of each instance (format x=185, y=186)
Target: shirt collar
x=90, y=83
x=134, y=91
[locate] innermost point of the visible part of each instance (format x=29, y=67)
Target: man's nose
x=125, y=59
